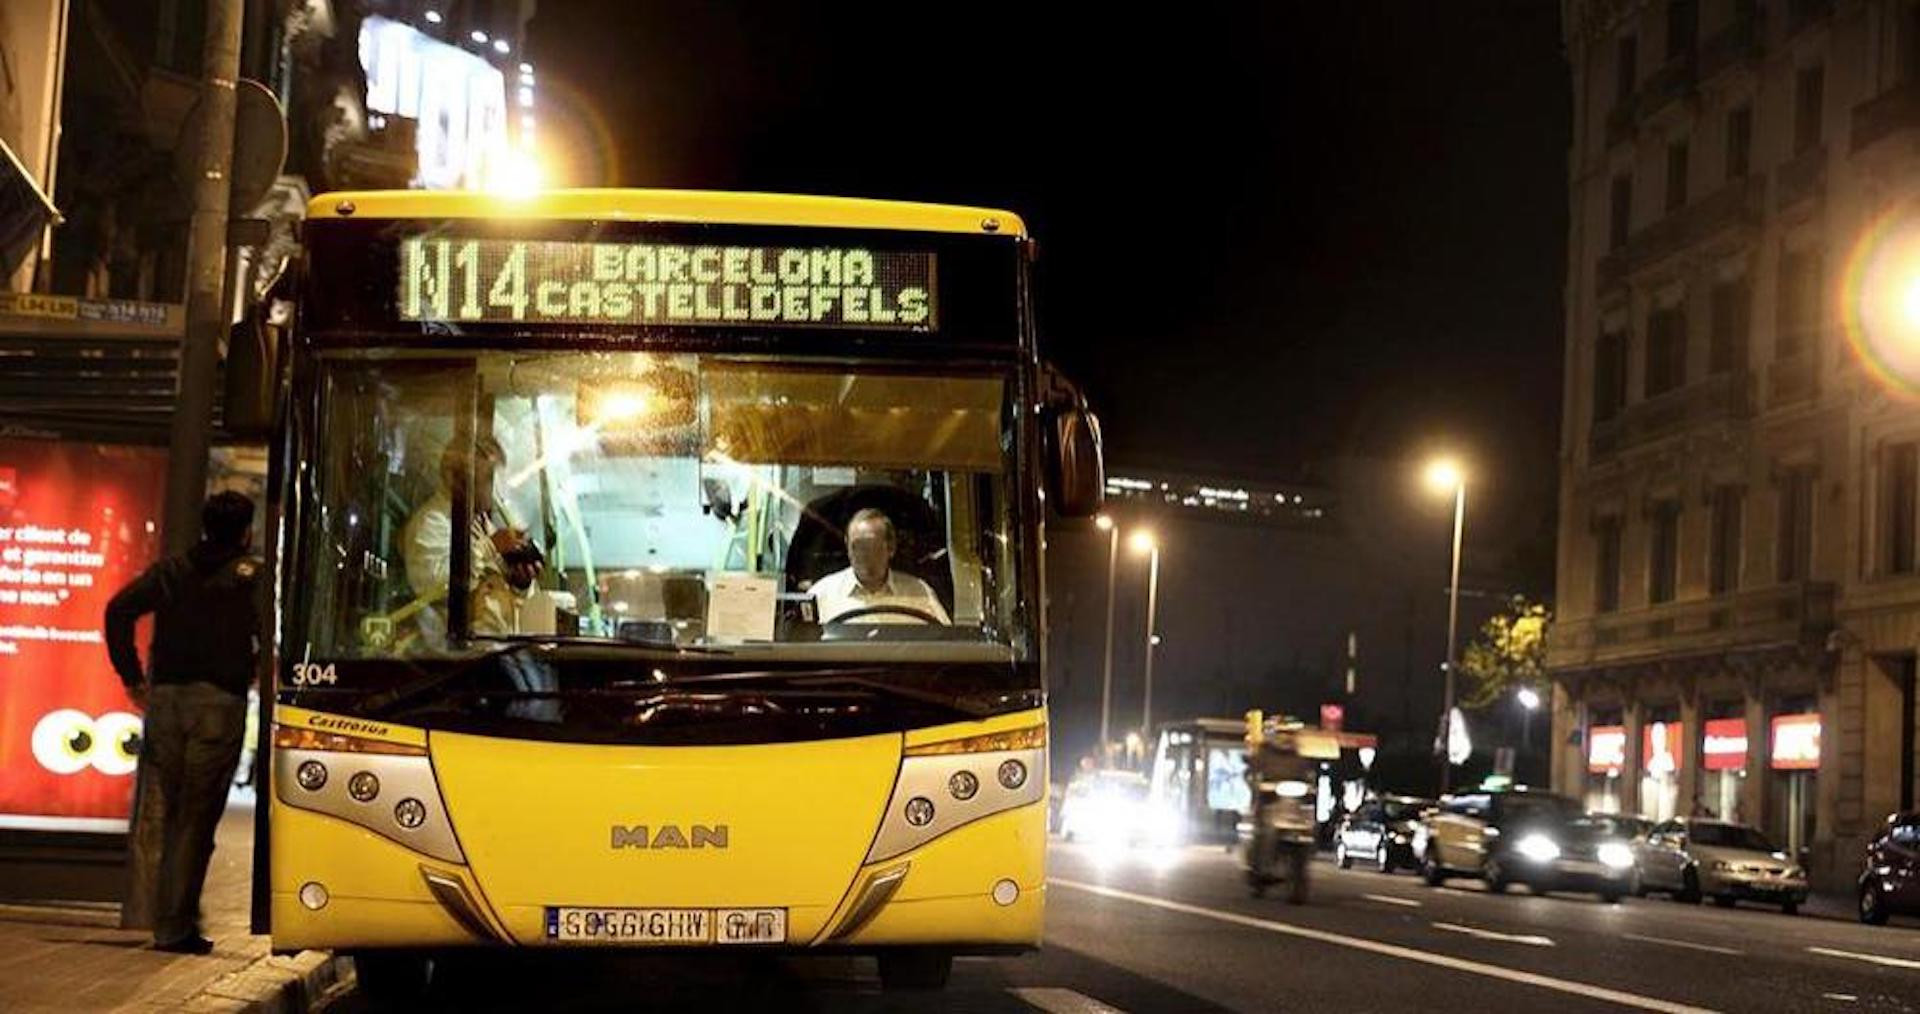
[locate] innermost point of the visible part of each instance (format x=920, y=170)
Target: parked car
x=1890, y=885
x=1107, y=807
x=1538, y=839
x=1691, y=858
x=1631, y=828
x=1381, y=832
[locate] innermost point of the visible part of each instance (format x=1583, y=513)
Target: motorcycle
x=1280, y=844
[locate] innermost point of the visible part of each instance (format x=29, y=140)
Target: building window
x=1900, y=471
x=1676, y=175
x=1809, y=94
x=1606, y=570
x=1609, y=375
x=1663, y=552
x=1795, y=542
x=1732, y=310
x=1666, y=350
x=1739, y=142
x=1799, y=316
x=1619, y=211
x=1625, y=71
x=1683, y=24
x=1723, y=541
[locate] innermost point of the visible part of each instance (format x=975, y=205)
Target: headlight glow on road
x=1538, y=847
x=1616, y=855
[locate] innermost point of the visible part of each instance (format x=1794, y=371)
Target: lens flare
x=1880, y=300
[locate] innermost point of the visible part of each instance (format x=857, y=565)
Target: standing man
x=206, y=604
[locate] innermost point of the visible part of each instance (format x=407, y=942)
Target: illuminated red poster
x=1796, y=742
x=77, y=521
x=1725, y=746
x=1660, y=744
x=1606, y=748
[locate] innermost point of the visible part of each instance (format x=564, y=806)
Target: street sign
x=259, y=145
x=1331, y=715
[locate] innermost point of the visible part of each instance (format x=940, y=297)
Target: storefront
x=1606, y=759
x=1794, y=765
x=1662, y=740
x=1723, y=757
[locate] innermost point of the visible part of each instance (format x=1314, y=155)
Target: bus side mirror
x=250, y=403
x=1076, y=476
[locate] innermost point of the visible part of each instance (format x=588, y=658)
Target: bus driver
x=871, y=580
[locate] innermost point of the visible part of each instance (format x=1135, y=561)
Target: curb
x=276, y=984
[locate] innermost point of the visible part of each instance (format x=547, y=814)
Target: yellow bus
x=748, y=650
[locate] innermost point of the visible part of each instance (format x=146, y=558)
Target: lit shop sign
x=77, y=521
x=1606, y=748
x=458, y=99
x=1725, y=745
x=1660, y=745
x=1796, y=742
x=503, y=281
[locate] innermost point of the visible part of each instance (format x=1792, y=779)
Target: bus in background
x=745, y=647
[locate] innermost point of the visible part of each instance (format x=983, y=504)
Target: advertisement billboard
x=457, y=97
x=1660, y=746
x=1796, y=742
x=77, y=521
x=1606, y=748
x=1725, y=745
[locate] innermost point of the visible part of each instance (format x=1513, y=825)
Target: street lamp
x=1445, y=475
x=1144, y=542
x=1529, y=699
x=1105, y=524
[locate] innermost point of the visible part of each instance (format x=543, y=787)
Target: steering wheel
x=888, y=610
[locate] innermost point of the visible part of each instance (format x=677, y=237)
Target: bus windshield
x=754, y=505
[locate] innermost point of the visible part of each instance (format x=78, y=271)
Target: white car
x=1106, y=807
x=1691, y=859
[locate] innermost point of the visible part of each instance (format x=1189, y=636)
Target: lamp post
x=1444, y=475
x=1529, y=699
x=1106, y=524
x=1144, y=542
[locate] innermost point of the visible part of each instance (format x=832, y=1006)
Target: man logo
x=669, y=836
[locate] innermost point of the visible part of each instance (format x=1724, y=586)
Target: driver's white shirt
x=840, y=592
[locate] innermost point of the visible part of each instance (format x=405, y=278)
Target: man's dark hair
x=226, y=518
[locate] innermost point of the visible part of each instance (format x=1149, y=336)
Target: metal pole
x=1153, y=597
x=1106, y=673
x=207, y=311
x=1453, y=623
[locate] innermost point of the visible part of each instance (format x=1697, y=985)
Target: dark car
x=1890, y=885
x=1381, y=832
x=1538, y=839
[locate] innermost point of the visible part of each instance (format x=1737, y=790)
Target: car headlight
x=1538, y=847
x=1616, y=855
x=1292, y=789
x=1400, y=837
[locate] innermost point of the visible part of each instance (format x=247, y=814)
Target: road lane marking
x=1388, y=899
x=1055, y=1000
x=1682, y=943
x=1842, y=997
x=1878, y=959
x=1484, y=934
x=1592, y=992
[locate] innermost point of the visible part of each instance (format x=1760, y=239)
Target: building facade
x=1738, y=597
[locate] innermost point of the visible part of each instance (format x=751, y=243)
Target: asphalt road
x=1180, y=933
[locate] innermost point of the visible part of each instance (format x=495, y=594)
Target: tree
x=1509, y=653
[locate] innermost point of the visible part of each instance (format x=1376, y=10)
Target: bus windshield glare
x=756, y=505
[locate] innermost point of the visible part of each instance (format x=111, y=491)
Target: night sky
x=1270, y=233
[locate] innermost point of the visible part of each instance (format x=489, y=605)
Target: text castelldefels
x=487, y=280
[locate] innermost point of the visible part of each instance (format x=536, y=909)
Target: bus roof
x=697, y=206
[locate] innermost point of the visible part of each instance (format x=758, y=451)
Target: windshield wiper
x=388, y=701
x=831, y=678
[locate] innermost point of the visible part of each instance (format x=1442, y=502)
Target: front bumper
x=1566, y=874
x=1754, y=886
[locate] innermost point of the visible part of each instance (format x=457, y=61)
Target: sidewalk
x=73, y=958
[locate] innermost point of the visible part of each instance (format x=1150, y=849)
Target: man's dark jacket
x=206, y=604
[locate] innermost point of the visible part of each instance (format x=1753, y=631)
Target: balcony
x=1792, y=378
x=1740, y=203
x=1676, y=80
x=1738, y=43
x=1725, y=397
x=1886, y=114
x=1801, y=177
x=1788, y=615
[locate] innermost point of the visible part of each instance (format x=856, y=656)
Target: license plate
x=667, y=925
x=1580, y=866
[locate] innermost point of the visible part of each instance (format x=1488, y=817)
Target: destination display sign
x=456, y=280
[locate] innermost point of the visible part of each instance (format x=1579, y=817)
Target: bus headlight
x=364, y=786
x=945, y=770
x=1616, y=855
x=312, y=776
x=410, y=813
x=1538, y=847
